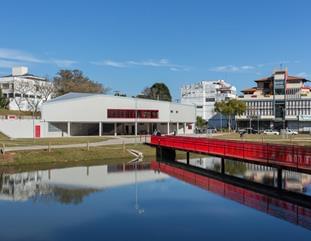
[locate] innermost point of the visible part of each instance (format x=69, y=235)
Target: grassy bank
x=46, y=141
x=301, y=139
x=113, y=154
x=108, y=154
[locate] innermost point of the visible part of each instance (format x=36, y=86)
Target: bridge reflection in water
x=292, y=207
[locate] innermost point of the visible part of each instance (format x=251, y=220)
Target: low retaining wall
x=21, y=128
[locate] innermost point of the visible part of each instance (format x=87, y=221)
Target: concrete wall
x=19, y=128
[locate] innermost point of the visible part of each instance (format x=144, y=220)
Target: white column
x=148, y=128
x=68, y=128
x=185, y=128
x=100, y=126
x=115, y=129
x=168, y=128
x=135, y=128
x=177, y=131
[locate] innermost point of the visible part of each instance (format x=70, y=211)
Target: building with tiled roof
x=278, y=101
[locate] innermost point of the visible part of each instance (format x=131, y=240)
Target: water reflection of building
x=209, y=162
x=293, y=181
x=71, y=184
x=19, y=186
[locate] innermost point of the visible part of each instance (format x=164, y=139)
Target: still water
x=135, y=202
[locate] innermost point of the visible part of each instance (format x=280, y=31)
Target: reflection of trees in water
x=64, y=195
x=268, y=180
x=217, y=167
x=1, y=181
x=235, y=167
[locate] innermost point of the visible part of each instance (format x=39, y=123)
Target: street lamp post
x=33, y=125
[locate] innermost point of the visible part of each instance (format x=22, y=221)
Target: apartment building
x=25, y=91
x=279, y=101
x=204, y=95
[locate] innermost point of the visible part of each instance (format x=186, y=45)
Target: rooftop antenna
x=281, y=66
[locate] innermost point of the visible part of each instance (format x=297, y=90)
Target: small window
x=209, y=99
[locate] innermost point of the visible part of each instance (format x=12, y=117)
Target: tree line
x=66, y=81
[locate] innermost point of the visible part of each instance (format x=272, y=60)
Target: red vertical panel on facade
x=37, y=131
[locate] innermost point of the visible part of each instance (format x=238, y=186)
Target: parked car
x=211, y=130
x=247, y=131
x=251, y=131
x=290, y=132
x=271, y=132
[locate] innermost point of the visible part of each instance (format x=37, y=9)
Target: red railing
x=272, y=206
x=298, y=157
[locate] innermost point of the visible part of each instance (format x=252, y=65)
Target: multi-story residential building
x=25, y=92
x=204, y=95
x=279, y=101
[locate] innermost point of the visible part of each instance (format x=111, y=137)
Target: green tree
x=230, y=108
x=158, y=91
x=75, y=81
x=3, y=100
x=200, y=122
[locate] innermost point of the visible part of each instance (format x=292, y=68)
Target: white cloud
x=161, y=63
x=19, y=56
x=247, y=67
x=8, y=63
x=250, y=68
x=14, y=57
x=64, y=62
x=225, y=68
x=110, y=63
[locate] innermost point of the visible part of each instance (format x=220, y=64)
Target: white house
x=26, y=92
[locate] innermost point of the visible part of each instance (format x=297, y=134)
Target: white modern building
x=204, y=95
x=81, y=114
x=25, y=91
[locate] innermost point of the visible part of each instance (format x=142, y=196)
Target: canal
x=143, y=201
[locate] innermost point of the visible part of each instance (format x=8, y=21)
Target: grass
x=113, y=154
x=53, y=141
x=108, y=154
x=301, y=139
x=18, y=113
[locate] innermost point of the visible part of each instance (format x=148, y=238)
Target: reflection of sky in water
x=173, y=210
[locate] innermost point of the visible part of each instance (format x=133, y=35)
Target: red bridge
x=284, y=156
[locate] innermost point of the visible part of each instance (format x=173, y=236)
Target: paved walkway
x=113, y=141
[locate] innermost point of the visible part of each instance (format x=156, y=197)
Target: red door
x=37, y=131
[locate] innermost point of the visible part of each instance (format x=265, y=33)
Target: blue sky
x=130, y=44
